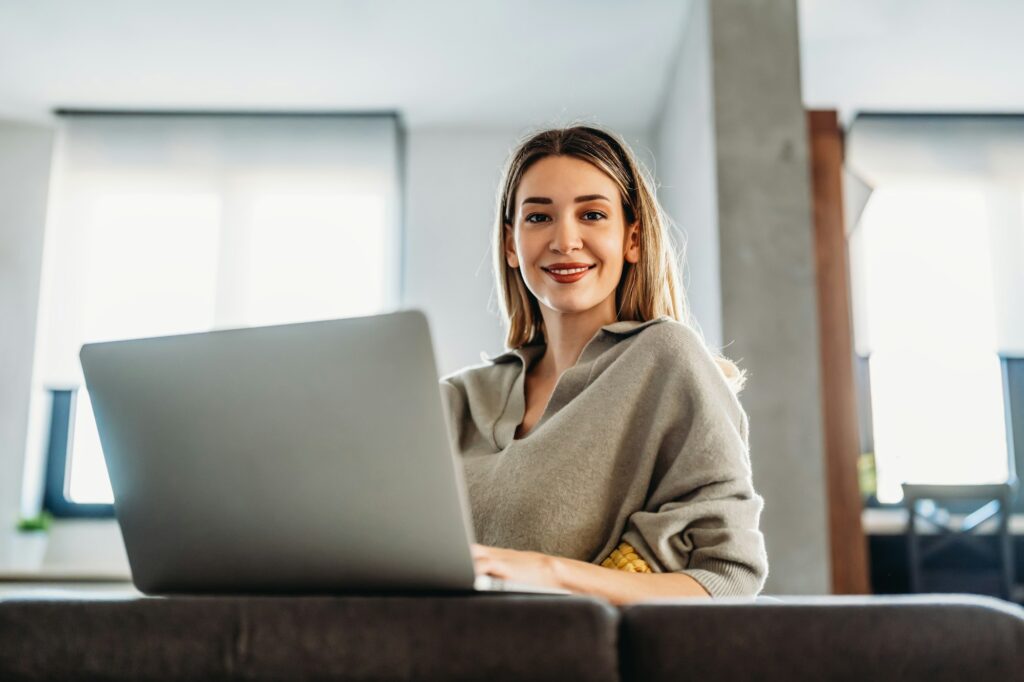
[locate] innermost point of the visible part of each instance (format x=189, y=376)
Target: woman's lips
x=569, y=279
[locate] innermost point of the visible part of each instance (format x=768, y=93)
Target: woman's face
x=569, y=236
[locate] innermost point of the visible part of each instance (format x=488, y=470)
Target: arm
x=618, y=587
x=701, y=517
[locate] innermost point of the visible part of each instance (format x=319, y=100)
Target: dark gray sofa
x=502, y=637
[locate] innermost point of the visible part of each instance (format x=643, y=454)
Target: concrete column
x=767, y=277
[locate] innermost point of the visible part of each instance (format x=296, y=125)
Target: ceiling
x=481, y=63
x=948, y=56
x=458, y=63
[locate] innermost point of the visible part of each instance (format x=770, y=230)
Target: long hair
x=648, y=289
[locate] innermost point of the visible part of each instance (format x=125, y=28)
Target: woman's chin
x=564, y=306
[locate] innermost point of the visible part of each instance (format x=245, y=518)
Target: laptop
x=297, y=458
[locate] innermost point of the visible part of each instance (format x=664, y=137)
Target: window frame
x=58, y=457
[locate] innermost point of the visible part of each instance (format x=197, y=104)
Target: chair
x=996, y=500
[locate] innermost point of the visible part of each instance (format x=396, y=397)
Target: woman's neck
x=567, y=334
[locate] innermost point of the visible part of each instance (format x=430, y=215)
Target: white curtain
x=170, y=224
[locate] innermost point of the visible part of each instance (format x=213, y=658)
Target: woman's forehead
x=564, y=178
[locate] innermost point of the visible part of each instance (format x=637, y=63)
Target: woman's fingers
x=485, y=564
x=511, y=564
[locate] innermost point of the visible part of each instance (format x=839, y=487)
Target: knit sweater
x=642, y=441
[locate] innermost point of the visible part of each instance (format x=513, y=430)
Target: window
x=929, y=328
x=937, y=270
x=170, y=224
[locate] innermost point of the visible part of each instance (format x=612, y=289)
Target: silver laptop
x=309, y=457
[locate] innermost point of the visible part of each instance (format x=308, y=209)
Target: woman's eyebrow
x=546, y=200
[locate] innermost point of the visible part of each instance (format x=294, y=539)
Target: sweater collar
x=620, y=330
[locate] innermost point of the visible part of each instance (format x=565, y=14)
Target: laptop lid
x=291, y=458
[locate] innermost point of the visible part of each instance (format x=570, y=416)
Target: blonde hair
x=648, y=289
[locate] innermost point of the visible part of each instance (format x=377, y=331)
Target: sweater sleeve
x=702, y=514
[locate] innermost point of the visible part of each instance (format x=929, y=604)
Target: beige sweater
x=642, y=441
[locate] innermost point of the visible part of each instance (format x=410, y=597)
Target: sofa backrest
x=914, y=637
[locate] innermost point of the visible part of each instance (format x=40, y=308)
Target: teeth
x=569, y=272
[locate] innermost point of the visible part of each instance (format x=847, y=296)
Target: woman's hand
x=579, y=577
x=513, y=565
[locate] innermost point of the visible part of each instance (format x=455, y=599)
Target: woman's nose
x=567, y=237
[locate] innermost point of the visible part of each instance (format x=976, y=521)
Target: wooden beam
x=839, y=404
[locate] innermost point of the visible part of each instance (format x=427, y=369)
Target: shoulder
x=491, y=371
x=684, y=360
x=675, y=344
x=479, y=394
x=459, y=385
x=693, y=382
x=459, y=376
x=671, y=334
x=485, y=385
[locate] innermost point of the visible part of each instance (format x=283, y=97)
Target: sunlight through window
x=936, y=386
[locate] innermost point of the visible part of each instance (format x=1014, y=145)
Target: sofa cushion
x=913, y=637
x=478, y=637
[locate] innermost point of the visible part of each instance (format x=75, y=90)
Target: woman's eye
x=594, y=213
x=530, y=218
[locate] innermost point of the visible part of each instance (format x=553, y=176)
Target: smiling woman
x=606, y=451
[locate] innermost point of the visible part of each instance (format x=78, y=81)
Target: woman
x=606, y=452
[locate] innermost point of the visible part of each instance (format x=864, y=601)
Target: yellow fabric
x=625, y=558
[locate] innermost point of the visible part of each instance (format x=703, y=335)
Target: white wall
x=450, y=181
x=25, y=153
x=684, y=144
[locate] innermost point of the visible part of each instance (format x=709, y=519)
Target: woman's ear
x=510, y=247
x=632, y=254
